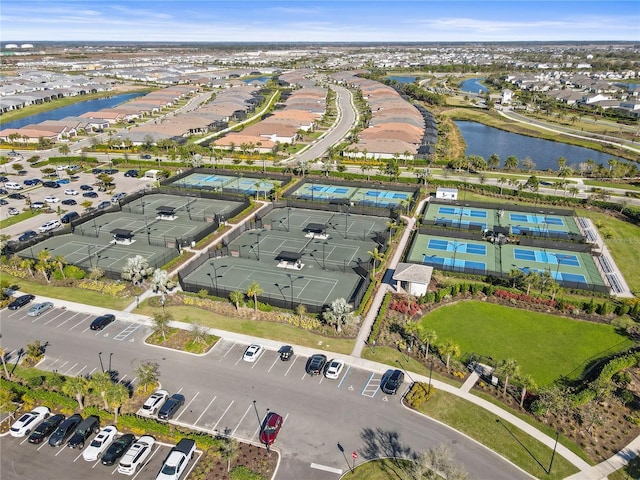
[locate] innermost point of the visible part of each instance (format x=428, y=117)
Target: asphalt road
x=224, y=394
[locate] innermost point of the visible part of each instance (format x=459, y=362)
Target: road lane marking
x=187, y=405
x=325, y=468
x=205, y=410
x=221, y=416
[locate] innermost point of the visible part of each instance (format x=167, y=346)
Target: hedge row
x=610, y=369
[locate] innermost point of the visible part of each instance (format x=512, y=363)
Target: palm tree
x=511, y=163
x=161, y=322
x=101, y=382
x=147, y=375
x=449, y=349
x=254, y=290
x=27, y=264
x=428, y=337
x=116, y=396
x=516, y=275
x=76, y=387
x=3, y=359
x=376, y=256
x=60, y=262
x=43, y=265
x=493, y=161
x=365, y=167
x=236, y=298
x=527, y=383
x=509, y=368
x=64, y=149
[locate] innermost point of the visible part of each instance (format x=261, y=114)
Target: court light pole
x=456, y=246
x=89, y=247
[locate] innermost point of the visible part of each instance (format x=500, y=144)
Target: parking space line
x=77, y=324
x=272, y=365
x=61, y=450
x=187, y=405
x=344, y=376
x=57, y=316
x=127, y=332
x=257, y=359
x=67, y=372
x=303, y=376
x=96, y=463
x=63, y=364
x=228, y=350
x=366, y=384
x=241, y=419
x=290, y=366
x=122, y=379
x=148, y=461
x=205, y=410
x=221, y=416
x=255, y=433
x=91, y=372
x=80, y=371
x=79, y=455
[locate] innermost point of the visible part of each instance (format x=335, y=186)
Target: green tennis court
x=185, y=206
x=362, y=196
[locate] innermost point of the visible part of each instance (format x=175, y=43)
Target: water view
x=74, y=110
x=473, y=85
x=257, y=79
x=485, y=141
x=402, y=79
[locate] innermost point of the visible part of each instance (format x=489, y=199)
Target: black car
x=50, y=184
x=3, y=202
x=173, y=403
x=4, y=191
x=97, y=171
x=67, y=217
x=391, y=381
x=89, y=425
x=110, y=171
x=33, y=181
x=27, y=235
x=87, y=188
x=131, y=173
x=146, y=157
x=46, y=428
x=316, y=364
x=90, y=195
x=64, y=430
x=105, y=204
x=21, y=301
x=69, y=201
x=4, y=179
x=102, y=321
x=17, y=196
x=117, y=449
x=286, y=352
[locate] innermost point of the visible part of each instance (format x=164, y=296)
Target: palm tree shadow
x=381, y=443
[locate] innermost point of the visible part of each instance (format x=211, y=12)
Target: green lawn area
x=71, y=294
x=270, y=330
x=7, y=222
x=545, y=346
x=626, y=186
x=481, y=425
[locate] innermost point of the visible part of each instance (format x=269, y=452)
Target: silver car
x=39, y=308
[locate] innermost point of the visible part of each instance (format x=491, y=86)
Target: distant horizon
x=302, y=42
x=321, y=21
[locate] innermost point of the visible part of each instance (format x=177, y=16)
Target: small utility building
x=447, y=193
x=412, y=278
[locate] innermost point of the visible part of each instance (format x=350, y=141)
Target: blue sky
x=318, y=21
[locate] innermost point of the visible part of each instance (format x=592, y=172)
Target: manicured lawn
x=545, y=346
x=481, y=425
x=71, y=294
x=626, y=186
x=7, y=222
x=270, y=330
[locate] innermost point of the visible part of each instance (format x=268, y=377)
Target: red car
x=270, y=428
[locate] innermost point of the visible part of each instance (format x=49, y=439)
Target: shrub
x=375, y=329
x=418, y=394
x=241, y=472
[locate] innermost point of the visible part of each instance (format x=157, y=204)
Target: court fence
x=496, y=206
x=175, y=181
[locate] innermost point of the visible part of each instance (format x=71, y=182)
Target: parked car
x=29, y=421
x=146, y=157
x=38, y=205
x=50, y=184
x=270, y=427
x=105, y=204
x=60, y=168
x=110, y=171
x=63, y=181
x=12, y=211
x=50, y=225
x=21, y=301
x=154, y=402
x=64, y=430
x=334, y=369
x=51, y=199
x=45, y=429
x=27, y=235
x=135, y=457
x=39, y=308
x=391, y=381
x=68, y=217
x=97, y=171
x=90, y=194
x=69, y=201
x=117, y=449
x=71, y=191
x=99, y=444
x=286, y=352
x=86, y=188
x=117, y=197
x=315, y=364
x=16, y=196
x=102, y=321
x=176, y=462
x=32, y=181
x=87, y=427
x=3, y=202
x=12, y=186
x=131, y=173
x=252, y=352
x=171, y=406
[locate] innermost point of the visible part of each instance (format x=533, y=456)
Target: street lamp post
x=100, y=358
x=89, y=247
x=110, y=355
x=430, y=374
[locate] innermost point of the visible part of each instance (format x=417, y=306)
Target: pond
x=74, y=110
x=257, y=79
x=402, y=78
x=473, y=85
x=485, y=141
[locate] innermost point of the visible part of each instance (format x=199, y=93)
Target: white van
x=152, y=174
x=13, y=186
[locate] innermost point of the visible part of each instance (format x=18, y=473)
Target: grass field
x=626, y=186
x=545, y=346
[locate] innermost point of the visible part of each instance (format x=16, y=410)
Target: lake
x=485, y=141
x=402, y=79
x=74, y=110
x=257, y=79
x=473, y=85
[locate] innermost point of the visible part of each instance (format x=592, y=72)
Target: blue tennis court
x=380, y=194
x=329, y=189
x=459, y=263
x=445, y=245
x=570, y=277
x=465, y=212
x=531, y=255
x=541, y=219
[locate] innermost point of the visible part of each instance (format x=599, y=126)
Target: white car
x=13, y=211
x=252, y=352
x=62, y=167
x=37, y=205
x=99, y=444
x=71, y=191
x=176, y=462
x=50, y=225
x=51, y=199
x=154, y=402
x=334, y=369
x=136, y=455
x=27, y=422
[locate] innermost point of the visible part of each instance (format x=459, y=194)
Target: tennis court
x=363, y=196
x=465, y=212
x=535, y=255
x=449, y=246
x=451, y=254
x=227, y=183
x=185, y=206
